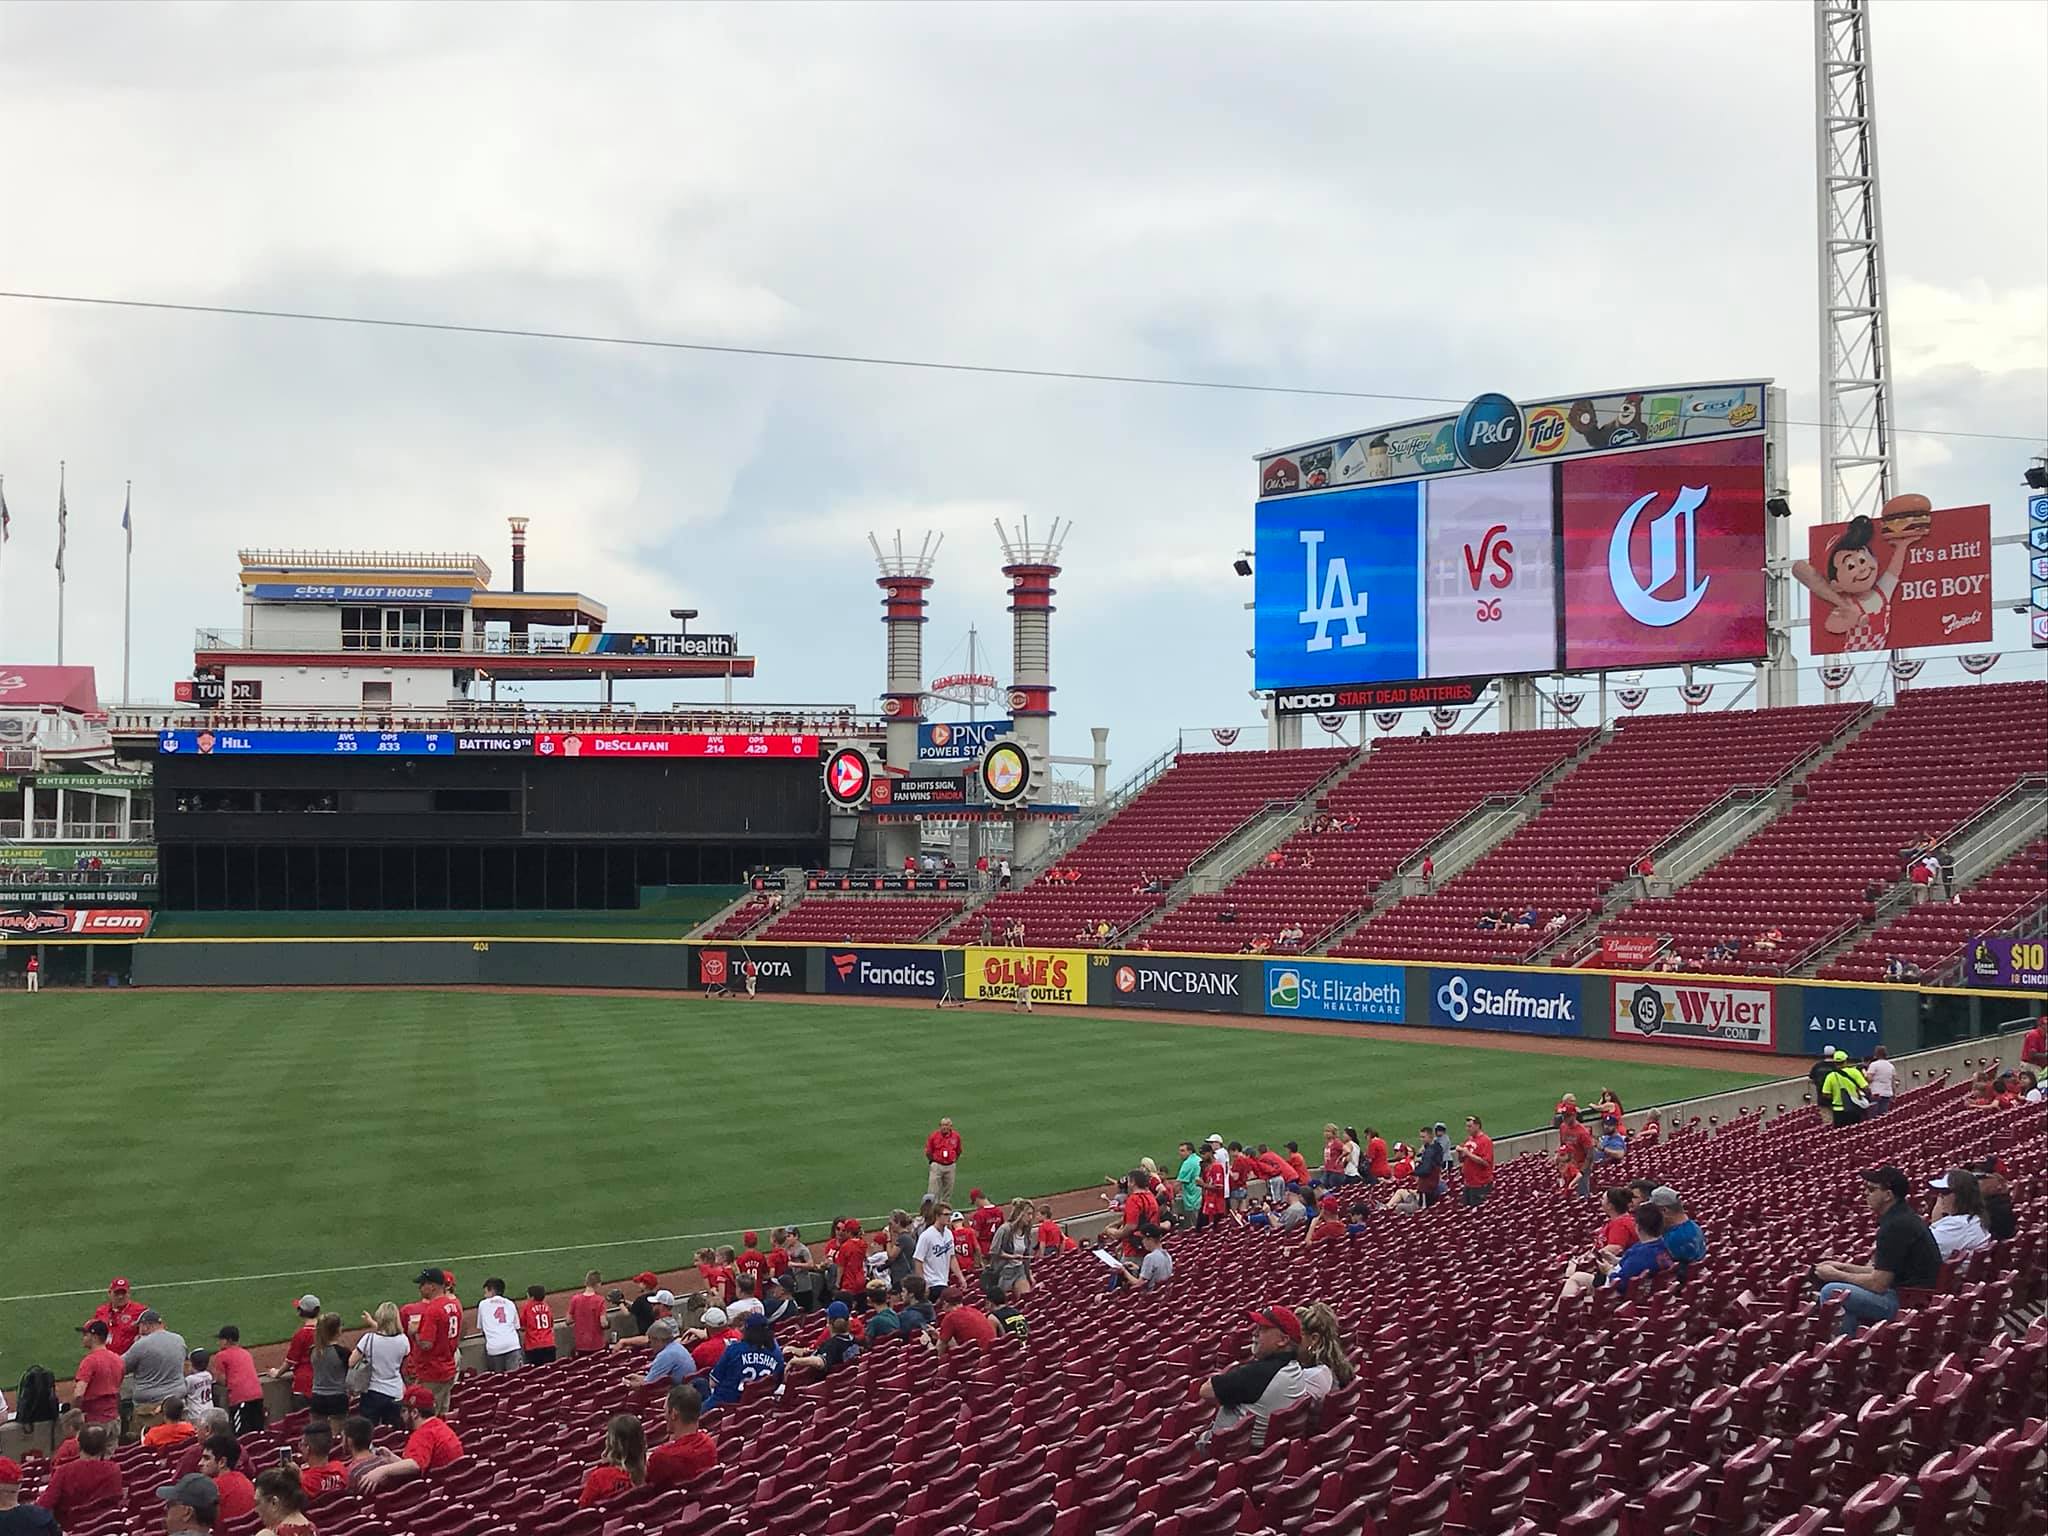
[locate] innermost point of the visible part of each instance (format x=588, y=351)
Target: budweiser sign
x=1627, y=949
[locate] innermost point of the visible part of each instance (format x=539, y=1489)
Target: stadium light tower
x=905, y=578
x=1855, y=333
x=1031, y=564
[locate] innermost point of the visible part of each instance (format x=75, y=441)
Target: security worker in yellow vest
x=1843, y=1087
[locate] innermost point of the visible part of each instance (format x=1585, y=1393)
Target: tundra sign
x=1167, y=981
x=1679, y=1013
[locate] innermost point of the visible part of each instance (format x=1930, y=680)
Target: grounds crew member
x=1845, y=1090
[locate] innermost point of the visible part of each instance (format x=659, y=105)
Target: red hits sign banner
x=1910, y=578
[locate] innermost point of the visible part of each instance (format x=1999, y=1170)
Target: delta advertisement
x=1685, y=1013
x=1169, y=981
x=1841, y=1018
x=1910, y=578
x=773, y=970
x=1519, y=1003
x=1051, y=975
x=1996, y=962
x=1319, y=989
x=1662, y=563
x=858, y=972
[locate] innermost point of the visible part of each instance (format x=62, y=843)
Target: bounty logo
x=1285, y=991
x=1639, y=600
x=1337, y=605
x=1489, y=432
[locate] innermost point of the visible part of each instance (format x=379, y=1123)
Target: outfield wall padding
x=413, y=963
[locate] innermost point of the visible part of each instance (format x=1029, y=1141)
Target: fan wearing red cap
x=121, y=1313
x=429, y=1445
x=1268, y=1382
x=14, y=1515
x=435, y=1326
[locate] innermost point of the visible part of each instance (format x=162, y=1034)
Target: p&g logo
x=1489, y=432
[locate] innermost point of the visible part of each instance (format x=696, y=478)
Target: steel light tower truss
x=1855, y=334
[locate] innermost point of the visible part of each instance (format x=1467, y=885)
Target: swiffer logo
x=1639, y=600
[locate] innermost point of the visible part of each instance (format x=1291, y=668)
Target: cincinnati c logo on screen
x=1639, y=601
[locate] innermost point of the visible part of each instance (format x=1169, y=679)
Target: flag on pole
x=127, y=526
x=63, y=522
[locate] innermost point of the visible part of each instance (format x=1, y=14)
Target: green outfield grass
x=180, y=1138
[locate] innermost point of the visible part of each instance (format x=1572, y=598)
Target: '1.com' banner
x=1679, y=1013
x=76, y=922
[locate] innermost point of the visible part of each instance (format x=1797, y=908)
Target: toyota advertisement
x=1681, y=1013
x=1543, y=538
x=1664, y=556
x=772, y=970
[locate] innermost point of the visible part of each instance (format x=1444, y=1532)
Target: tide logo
x=1549, y=428
x=1672, y=542
x=1496, y=550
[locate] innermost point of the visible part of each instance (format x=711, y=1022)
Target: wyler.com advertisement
x=1912, y=577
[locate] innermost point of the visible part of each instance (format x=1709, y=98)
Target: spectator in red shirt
x=1242, y=1171
x=537, y=1326
x=752, y=1261
x=706, y=1347
x=2034, y=1047
x=1274, y=1169
x=688, y=1453
x=942, y=1156
x=98, y=1394
x=298, y=1354
x=718, y=1279
x=1620, y=1231
x=234, y=1369
x=220, y=1458
x=1574, y=1153
x=1052, y=1237
x=624, y=1463
x=121, y=1313
x=850, y=1263
x=435, y=1328
x=1333, y=1155
x=1475, y=1162
x=1297, y=1165
x=1215, y=1200
x=961, y=1324
x=586, y=1315
x=986, y=1216
x=1377, y=1169
x=429, y=1444
x=1652, y=1131
x=87, y=1481
x=319, y=1473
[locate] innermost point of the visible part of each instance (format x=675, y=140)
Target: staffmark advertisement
x=1165, y=981
x=1739, y=1018
x=1521, y=1003
x=1052, y=975
x=853, y=972
x=1323, y=989
x=774, y=970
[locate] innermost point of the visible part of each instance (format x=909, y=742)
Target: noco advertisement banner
x=1905, y=579
x=1592, y=534
x=1685, y=1013
x=1169, y=981
x=1052, y=975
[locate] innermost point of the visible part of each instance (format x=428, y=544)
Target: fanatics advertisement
x=76, y=922
x=1052, y=975
x=1681, y=1013
x=1521, y=1003
x=1664, y=557
x=1912, y=577
x=1992, y=962
x=1563, y=427
x=774, y=970
x=1846, y=1017
x=854, y=972
x=1169, y=981
x=1323, y=989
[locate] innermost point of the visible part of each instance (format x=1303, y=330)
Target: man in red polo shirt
x=89, y=1480
x=961, y=1324
x=942, y=1156
x=2034, y=1048
x=986, y=1216
x=688, y=1452
x=850, y=1264
x=121, y=1313
x=429, y=1443
x=1574, y=1152
x=586, y=1315
x=1475, y=1162
x=435, y=1329
x=99, y=1377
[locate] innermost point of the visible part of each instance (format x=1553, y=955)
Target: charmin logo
x=1285, y=991
x=1126, y=979
x=1489, y=432
x=1337, y=604
x=1639, y=600
x=1549, y=428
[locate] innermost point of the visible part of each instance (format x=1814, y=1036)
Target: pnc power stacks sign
x=1050, y=975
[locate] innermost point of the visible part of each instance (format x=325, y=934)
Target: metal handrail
x=288, y=560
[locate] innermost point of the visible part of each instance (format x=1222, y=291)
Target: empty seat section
x=1929, y=937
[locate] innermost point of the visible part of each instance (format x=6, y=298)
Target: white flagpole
x=61, y=518
x=5, y=519
x=127, y=584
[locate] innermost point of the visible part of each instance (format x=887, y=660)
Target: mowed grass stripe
x=174, y=1136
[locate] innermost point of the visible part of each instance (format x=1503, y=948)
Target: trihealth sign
x=855, y=972
x=1841, y=1016
x=1321, y=989
x=1522, y=1003
x=1164, y=981
x=1050, y=975
x=1681, y=1013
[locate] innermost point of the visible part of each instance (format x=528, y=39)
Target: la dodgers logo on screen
x=1638, y=601
x=1338, y=605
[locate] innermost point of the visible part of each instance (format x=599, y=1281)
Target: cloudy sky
x=1415, y=200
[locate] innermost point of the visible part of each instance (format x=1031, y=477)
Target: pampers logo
x=1530, y=1004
